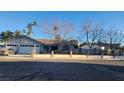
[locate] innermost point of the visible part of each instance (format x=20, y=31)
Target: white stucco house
x=96, y=49
x=24, y=45
x=1, y=42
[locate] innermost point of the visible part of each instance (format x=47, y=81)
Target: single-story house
x=1, y=42
x=25, y=45
x=96, y=48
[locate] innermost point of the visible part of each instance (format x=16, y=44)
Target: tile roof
x=46, y=41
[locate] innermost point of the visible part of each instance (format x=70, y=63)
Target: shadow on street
x=51, y=71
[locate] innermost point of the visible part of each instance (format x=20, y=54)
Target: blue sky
x=19, y=20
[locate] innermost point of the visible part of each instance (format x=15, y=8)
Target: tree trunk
x=59, y=48
x=90, y=51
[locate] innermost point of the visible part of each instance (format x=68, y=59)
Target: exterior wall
x=83, y=51
x=75, y=51
x=2, y=43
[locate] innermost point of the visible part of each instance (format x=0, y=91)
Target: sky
x=13, y=20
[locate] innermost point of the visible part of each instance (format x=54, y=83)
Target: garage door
x=25, y=50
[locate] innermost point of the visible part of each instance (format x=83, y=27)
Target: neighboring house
x=2, y=43
x=24, y=45
x=96, y=48
x=1, y=39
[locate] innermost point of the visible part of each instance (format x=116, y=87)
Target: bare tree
x=91, y=34
x=113, y=36
x=58, y=31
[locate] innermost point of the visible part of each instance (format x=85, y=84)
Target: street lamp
x=102, y=48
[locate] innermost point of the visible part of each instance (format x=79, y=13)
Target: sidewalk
x=58, y=57
x=107, y=60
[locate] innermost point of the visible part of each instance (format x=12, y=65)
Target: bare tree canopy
x=114, y=36
x=91, y=33
x=57, y=30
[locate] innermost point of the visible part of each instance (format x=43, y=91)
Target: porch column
x=33, y=52
x=52, y=54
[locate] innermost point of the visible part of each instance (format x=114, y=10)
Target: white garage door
x=25, y=50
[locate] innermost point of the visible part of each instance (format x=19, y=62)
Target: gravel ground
x=61, y=71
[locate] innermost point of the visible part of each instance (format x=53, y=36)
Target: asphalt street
x=60, y=71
